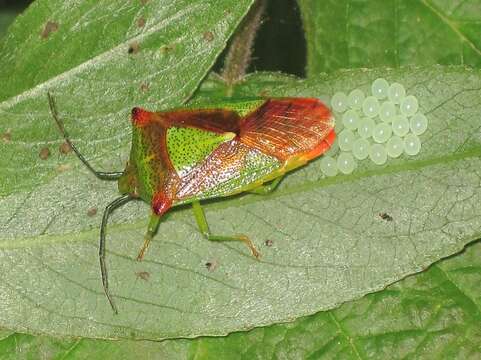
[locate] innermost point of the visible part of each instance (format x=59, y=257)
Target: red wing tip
x=140, y=117
x=322, y=147
x=329, y=140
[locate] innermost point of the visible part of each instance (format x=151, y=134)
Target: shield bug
x=187, y=155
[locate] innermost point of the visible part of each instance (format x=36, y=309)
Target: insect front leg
x=161, y=203
x=204, y=229
x=151, y=230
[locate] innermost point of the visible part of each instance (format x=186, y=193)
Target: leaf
x=434, y=314
x=353, y=34
x=99, y=59
x=329, y=243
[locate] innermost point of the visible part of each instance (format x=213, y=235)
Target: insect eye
x=140, y=117
x=135, y=112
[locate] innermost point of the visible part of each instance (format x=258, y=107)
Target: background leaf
x=434, y=314
x=330, y=243
x=293, y=340
x=352, y=34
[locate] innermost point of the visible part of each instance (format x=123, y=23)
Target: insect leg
x=204, y=229
x=100, y=174
x=267, y=189
x=103, y=268
x=161, y=203
x=151, y=230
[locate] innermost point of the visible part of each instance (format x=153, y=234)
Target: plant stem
x=239, y=54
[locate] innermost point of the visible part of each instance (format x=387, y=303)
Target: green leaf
x=353, y=34
x=435, y=314
x=99, y=60
x=329, y=243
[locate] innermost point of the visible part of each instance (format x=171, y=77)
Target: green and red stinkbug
x=187, y=155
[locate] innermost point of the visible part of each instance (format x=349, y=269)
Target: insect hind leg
x=204, y=229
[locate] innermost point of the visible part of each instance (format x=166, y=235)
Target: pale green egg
x=370, y=106
x=400, y=125
x=329, y=165
x=395, y=146
x=378, y=154
x=409, y=105
x=351, y=119
x=355, y=99
x=380, y=88
x=346, y=163
x=365, y=127
x=360, y=149
x=396, y=93
x=381, y=132
x=339, y=102
x=418, y=124
x=345, y=139
x=412, y=144
x=387, y=111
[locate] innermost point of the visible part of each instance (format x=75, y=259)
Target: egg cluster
x=384, y=124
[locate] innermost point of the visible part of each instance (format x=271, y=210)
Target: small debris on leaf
x=269, y=242
x=134, y=48
x=212, y=265
x=385, y=216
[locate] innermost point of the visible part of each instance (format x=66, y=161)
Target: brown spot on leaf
x=144, y=275
x=166, y=48
x=7, y=136
x=63, y=167
x=49, y=28
x=44, y=153
x=208, y=36
x=144, y=87
x=141, y=22
x=64, y=148
x=134, y=48
x=92, y=212
x=269, y=242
